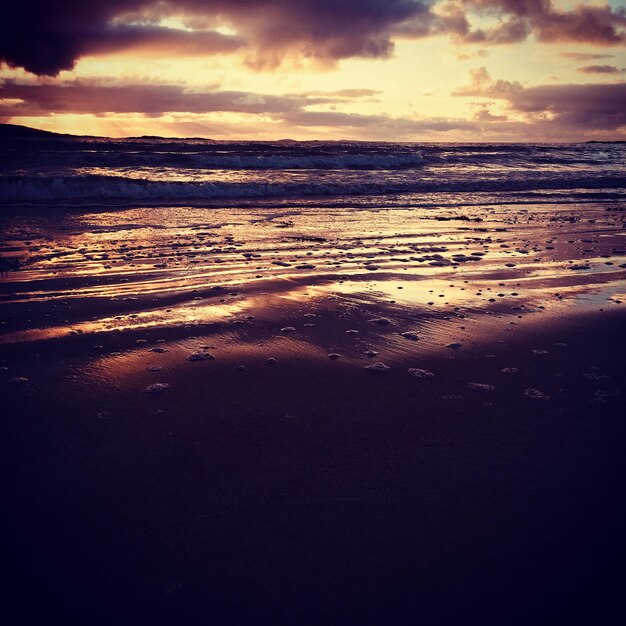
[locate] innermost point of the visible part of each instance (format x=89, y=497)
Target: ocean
x=47, y=168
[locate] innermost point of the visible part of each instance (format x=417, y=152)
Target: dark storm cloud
x=180, y=42
x=46, y=36
x=53, y=49
x=586, y=107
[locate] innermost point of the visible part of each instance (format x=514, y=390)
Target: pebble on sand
x=271, y=361
x=377, y=367
x=334, y=356
x=410, y=335
x=370, y=353
x=201, y=356
x=287, y=329
x=158, y=350
x=603, y=397
x=535, y=394
x=509, y=370
x=383, y=321
x=481, y=387
x=596, y=376
x=18, y=380
x=420, y=373
x=154, y=368
x=454, y=345
x=157, y=387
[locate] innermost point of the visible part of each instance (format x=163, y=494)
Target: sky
x=395, y=70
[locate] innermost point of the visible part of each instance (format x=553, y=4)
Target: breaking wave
x=21, y=189
x=273, y=162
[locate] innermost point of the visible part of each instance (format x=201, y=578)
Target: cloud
x=482, y=113
x=47, y=36
x=348, y=93
x=596, y=106
x=601, y=25
x=378, y=126
x=155, y=39
x=598, y=69
x=541, y=113
x=571, y=107
x=292, y=112
x=581, y=56
x=497, y=22
x=250, y=99
x=481, y=84
x=80, y=97
x=100, y=98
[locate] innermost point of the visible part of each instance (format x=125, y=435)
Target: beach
x=318, y=408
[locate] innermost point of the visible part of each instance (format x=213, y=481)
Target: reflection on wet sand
x=123, y=298
x=161, y=311
x=140, y=269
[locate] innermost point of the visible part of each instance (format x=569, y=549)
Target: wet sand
x=274, y=476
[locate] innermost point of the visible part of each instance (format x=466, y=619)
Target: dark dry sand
x=310, y=490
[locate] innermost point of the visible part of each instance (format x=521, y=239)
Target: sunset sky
x=405, y=70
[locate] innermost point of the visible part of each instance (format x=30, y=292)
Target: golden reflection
x=103, y=276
